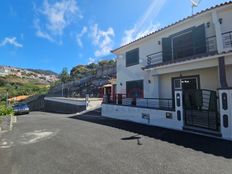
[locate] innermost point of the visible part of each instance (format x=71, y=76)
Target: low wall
x=62, y=107
x=166, y=119
x=36, y=103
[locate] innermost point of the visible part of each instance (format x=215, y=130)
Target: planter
x=6, y=122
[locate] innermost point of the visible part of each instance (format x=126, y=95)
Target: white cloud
x=144, y=25
x=91, y=60
x=133, y=33
x=11, y=41
x=80, y=35
x=56, y=16
x=40, y=33
x=103, y=40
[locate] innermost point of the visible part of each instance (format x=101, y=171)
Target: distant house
x=173, y=77
x=3, y=72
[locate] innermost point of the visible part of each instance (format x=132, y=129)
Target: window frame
x=135, y=81
x=129, y=52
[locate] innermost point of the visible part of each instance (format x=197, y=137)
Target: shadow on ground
x=204, y=144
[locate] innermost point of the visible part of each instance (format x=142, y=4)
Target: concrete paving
x=55, y=143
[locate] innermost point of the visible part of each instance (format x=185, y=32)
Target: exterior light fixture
x=149, y=81
x=208, y=24
x=120, y=84
x=159, y=42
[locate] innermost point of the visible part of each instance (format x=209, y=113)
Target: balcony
x=190, y=51
x=176, y=53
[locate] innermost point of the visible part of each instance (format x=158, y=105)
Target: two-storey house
x=179, y=77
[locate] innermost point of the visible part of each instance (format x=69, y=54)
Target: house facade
x=179, y=77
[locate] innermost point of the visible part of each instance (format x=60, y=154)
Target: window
x=187, y=43
x=132, y=57
x=186, y=83
x=183, y=45
x=134, y=89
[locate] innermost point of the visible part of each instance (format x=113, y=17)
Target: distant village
x=23, y=73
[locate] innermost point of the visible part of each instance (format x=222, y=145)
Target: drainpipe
x=222, y=72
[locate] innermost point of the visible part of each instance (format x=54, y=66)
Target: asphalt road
x=45, y=143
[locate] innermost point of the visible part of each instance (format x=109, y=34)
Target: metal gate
x=200, y=109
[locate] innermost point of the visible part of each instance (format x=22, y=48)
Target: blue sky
x=52, y=34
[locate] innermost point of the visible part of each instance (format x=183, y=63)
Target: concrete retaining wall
x=64, y=108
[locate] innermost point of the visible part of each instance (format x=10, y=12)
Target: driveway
x=54, y=143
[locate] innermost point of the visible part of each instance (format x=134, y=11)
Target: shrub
x=6, y=111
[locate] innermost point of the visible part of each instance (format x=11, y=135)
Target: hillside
x=81, y=71
x=16, y=86
x=85, y=79
x=36, y=74
x=45, y=72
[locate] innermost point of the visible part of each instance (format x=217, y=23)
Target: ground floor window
x=134, y=89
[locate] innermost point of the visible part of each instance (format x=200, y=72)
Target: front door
x=200, y=106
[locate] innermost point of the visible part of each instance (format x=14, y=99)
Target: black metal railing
x=191, y=50
x=155, y=58
x=211, y=44
x=152, y=103
x=200, y=108
x=227, y=40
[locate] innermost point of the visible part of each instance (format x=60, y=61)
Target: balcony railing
x=155, y=58
x=211, y=44
x=211, y=47
x=152, y=103
x=227, y=40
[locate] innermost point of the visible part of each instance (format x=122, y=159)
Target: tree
x=64, y=75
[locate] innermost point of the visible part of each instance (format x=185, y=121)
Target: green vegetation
x=81, y=71
x=64, y=76
x=6, y=111
x=16, y=86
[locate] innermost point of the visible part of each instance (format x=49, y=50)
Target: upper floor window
x=187, y=43
x=132, y=57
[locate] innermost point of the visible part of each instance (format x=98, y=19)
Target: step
x=202, y=131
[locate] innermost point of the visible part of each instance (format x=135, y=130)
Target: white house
x=179, y=77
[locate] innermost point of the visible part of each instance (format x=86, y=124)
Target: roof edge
x=173, y=24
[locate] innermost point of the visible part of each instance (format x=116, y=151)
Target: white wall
x=150, y=45
x=157, y=117
x=226, y=131
x=208, y=80
x=226, y=15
